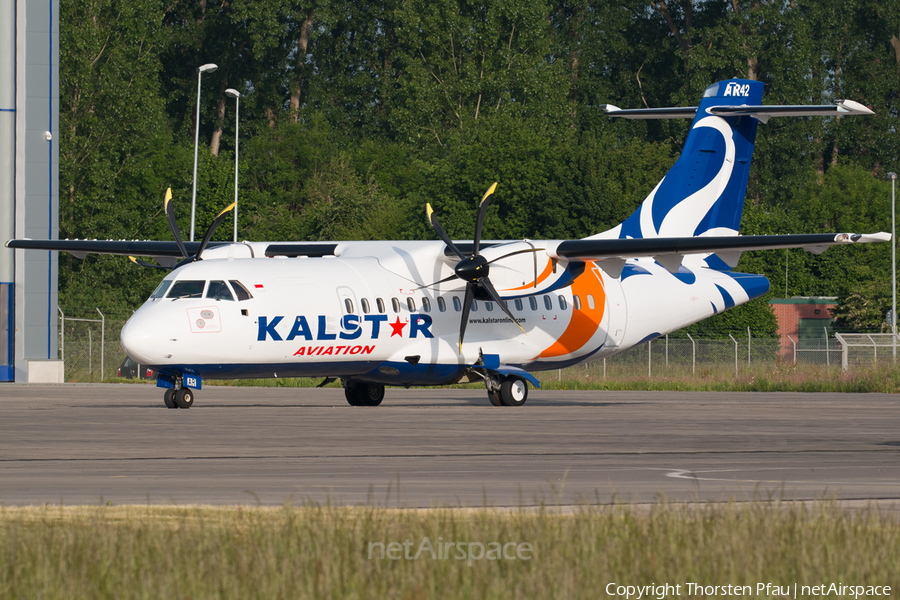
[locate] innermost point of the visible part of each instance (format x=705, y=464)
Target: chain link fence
x=710, y=356
x=89, y=347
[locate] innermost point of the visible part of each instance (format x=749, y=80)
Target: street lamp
x=232, y=93
x=893, y=178
x=208, y=68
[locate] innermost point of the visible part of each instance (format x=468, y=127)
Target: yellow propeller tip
x=428, y=210
x=226, y=209
x=132, y=259
x=488, y=193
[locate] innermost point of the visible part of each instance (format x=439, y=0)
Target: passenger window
x=442, y=306
x=457, y=305
x=187, y=289
x=161, y=289
x=380, y=304
x=239, y=290
x=489, y=306
x=426, y=304
x=519, y=306
x=548, y=303
x=532, y=302
x=365, y=305
x=474, y=305
x=395, y=304
x=219, y=291
x=576, y=302
x=348, y=305
x=590, y=300
x=562, y=303
x=411, y=304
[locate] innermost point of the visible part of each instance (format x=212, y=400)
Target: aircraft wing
x=81, y=248
x=669, y=251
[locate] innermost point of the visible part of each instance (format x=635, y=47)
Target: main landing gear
x=363, y=394
x=180, y=398
x=508, y=391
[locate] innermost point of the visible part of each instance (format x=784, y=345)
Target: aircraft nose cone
x=138, y=339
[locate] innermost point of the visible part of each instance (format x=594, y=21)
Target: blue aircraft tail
x=703, y=193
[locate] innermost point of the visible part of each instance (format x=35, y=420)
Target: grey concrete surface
x=86, y=444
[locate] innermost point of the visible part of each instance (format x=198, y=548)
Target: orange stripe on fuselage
x=537, y=281
x=585, y=321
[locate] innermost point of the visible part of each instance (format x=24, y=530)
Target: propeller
x=474, y=268
x=144, y=263
x=173, y=226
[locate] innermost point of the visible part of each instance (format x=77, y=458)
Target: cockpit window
x=239, y=290
x=219, y=291
x=161, y=289
x=187, y=289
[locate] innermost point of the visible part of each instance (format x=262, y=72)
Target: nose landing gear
x=178, y=397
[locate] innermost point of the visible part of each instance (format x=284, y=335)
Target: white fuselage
x=359, y=313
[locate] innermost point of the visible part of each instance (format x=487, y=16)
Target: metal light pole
x=208, y=68
x=893, y=178
x=232, y=93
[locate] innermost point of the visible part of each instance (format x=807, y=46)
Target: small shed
x=803, y=319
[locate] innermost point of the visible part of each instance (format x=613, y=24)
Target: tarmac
x=93, y=444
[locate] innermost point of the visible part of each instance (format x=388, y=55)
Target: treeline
x=353, y=115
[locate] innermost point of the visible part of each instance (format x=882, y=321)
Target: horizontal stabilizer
x=762, y=112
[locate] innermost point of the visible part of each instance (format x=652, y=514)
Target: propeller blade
x=432, y=218
x=467, y=304
x=490, y=262
x=212, y=229
x=444, y=280
x=488, y=286
x=482, y=213
x=173, y=224
x=144, y=263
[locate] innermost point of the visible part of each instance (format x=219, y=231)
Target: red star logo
x=397, y=328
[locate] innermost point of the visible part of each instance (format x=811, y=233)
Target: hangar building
x=29, y=188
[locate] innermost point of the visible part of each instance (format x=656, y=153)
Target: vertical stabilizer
x=703, y=192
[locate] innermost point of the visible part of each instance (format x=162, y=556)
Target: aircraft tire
x=184, y=398
x=363, y=394
x=513, y=391
x=351, y=393
x=494, y=397
x=169, y=398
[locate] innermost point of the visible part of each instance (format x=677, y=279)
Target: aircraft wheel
x=363, y=394
x=372, y=394
x=169, y=398
x=494, y=397
x=513, y=391
x=184, y=398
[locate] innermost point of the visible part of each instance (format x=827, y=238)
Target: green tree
x=112, y=133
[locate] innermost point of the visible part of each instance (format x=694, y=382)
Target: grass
x=322, y=551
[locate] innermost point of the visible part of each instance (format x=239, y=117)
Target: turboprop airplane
x=404, y=313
